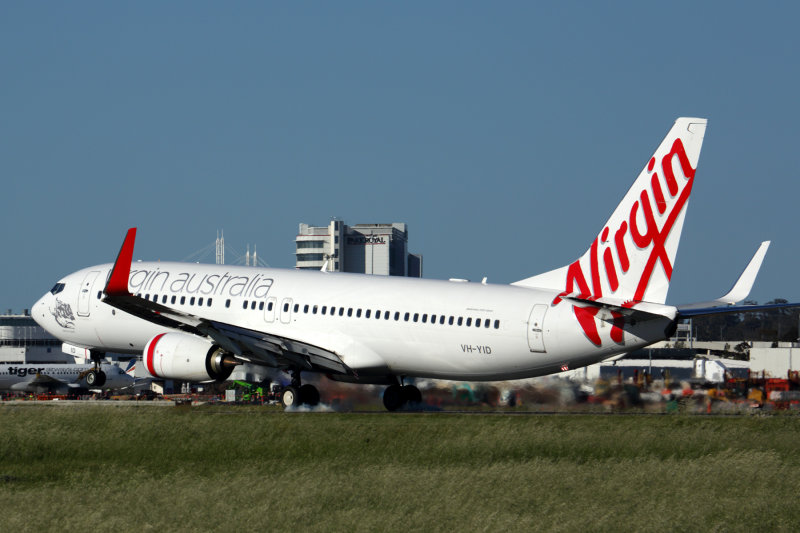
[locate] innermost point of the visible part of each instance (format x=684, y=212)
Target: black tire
x=412, y=395
x=393, y=397
x=290, y=397
x=309, y=395
x=92, y=378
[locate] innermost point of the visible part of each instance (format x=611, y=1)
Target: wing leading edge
x=245, y=344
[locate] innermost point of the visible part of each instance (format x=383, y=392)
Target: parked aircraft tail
x=631, y=258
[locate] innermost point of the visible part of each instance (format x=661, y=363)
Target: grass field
x=144, y=468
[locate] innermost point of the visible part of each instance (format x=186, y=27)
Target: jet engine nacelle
x=187, y=358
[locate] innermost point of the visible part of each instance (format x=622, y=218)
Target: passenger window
x=441, y=319
x=164, y=299
x=349, y=311
x=286, y=307
x=450, y=321
x=253, y=305
x=172, y=300
x=333, y=310
x=228, y=302
x=469, y=321
x=366, y=315
x=477, y=322
x=314, y=310
x=305, y=308
x=324, y=309
x=386, y=315
x=199, y=301
x=260, y=306
x=296, y=307
x=460, y=320
x=269, y=306
x=433, y=319
x=341, y=311
x=99, y=293
x=244, y=304
x=405, y=317
x=496, y=324
x=358, y=313
x=397, y=315
x=183, y=300
x=146, y=296
x=486, y=323
x=209, y=302
x=425, y=318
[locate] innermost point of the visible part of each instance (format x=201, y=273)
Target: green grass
x=144, y=468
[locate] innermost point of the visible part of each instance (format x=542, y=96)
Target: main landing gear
x=399, y=396
x=96, y=377
x=296, y=394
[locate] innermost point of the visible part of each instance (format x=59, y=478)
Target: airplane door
x=85, y=293
x=536, y=328
x=269, y=310
x=286, y=310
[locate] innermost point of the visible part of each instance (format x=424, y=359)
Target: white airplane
x=196, y=322
x=61, y=378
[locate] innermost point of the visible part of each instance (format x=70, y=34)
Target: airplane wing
x=739, y=291
x=43, y=380
x=245, y=344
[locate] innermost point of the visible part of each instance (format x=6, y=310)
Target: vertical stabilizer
x=631, y=258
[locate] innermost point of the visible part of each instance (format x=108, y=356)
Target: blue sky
x=503, y=133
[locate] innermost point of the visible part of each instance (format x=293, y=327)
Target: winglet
x=118, y=280
x=741, y=289
x=745, y=282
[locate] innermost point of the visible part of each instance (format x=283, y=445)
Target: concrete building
x=364, y=248
x=775, y=361
x=23, y=341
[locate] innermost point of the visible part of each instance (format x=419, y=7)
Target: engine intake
x=187, y=357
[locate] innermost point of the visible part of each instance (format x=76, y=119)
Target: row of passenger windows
x=424, y=318
x=377, y=314
x=183, y=300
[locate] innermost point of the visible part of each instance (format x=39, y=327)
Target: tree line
x=767, y=325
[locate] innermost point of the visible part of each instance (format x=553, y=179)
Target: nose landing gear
x=96, y=377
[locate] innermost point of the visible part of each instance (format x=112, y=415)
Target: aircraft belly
x=465, y=357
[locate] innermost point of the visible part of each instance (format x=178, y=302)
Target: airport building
x=23, y=341
x=364, y=248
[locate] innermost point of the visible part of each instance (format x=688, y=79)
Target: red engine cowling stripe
x=151, y=350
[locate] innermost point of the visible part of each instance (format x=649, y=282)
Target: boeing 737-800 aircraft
x=196, y=322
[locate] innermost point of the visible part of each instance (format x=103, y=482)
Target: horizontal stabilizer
x=639, y=311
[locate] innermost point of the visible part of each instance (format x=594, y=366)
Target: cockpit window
x=58, y=287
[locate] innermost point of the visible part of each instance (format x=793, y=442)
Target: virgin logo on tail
x=625, y=254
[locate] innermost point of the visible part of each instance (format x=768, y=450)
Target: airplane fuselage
x=377, y=325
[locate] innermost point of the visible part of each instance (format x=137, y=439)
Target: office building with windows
x=364, y=248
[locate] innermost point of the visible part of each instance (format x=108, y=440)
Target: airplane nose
x=39, y=312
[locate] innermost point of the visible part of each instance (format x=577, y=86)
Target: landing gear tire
x=309, y=395
x=393, y=398
x=411, y=395
x=290, y=397
x=96, y=378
